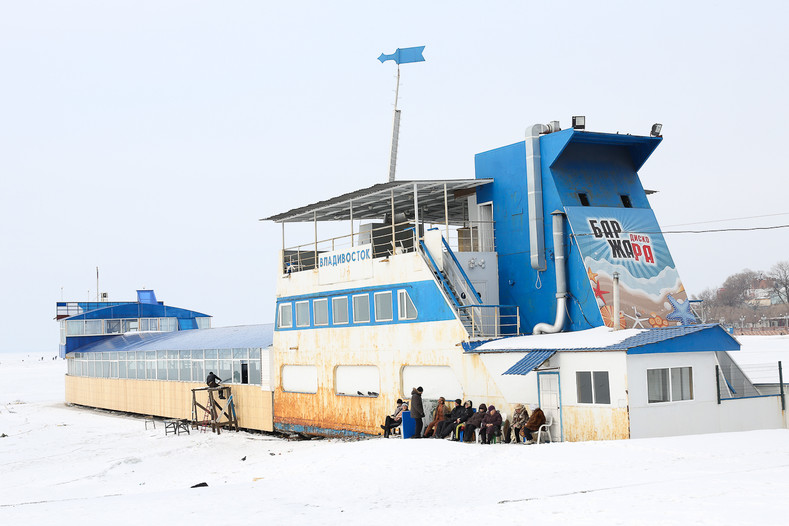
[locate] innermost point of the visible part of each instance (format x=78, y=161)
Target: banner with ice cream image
x=629, y=241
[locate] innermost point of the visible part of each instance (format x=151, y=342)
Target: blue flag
x=404, y=55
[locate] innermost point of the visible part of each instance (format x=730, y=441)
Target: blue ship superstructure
x=574, y=197
x=84, y=323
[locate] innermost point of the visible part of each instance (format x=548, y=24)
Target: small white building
x=604, y=384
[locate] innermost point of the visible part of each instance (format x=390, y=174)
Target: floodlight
x=579, y=122
x=656, y=129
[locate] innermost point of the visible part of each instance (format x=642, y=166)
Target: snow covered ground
x=66, y=465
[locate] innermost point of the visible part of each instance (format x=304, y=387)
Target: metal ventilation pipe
x=534, y=182
x=615, y=314
x=561, y=277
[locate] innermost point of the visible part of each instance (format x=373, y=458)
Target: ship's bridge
x=386, y=216
x=439, y=219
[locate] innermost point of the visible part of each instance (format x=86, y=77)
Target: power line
x=750, y=229
x=731, y=219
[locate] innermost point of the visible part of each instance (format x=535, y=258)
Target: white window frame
x=353, y=308
x=281, y=325
x=671, y=386
x=402, y=309
x=594, y=391
x=334, y=309
x=297, y=313
x=375, y=305
x=325, y=303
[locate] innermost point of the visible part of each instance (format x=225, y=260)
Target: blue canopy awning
x=529, y=362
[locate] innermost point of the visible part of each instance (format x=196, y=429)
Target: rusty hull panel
x=595, y=423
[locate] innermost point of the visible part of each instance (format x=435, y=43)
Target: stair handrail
x=440, y=274
x=471, y=288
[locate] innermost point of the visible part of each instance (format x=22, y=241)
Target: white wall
x=703, y=414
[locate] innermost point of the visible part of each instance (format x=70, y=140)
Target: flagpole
x=395, y=131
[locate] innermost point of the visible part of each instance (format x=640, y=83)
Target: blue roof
x=529, y=362
x=683, y=338
x=137, y=310
x=243, y=336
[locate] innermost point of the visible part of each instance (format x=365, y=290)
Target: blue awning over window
x=529, y=362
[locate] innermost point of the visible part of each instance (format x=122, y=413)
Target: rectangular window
x=112, y=326
x=361, y=308
x=302, y=314
x=584, y=199
x=285, y=316
x=681, y=383
x=626, y=201
x=583, y=384
x=383, y=306
x=321, y=311
x=593, y=387
x=406, y=310
x=339, y=310
x=203, y=322
x=94, y=326
x=130, y=325
x=602, y=391
x=669, y=385
x=75, y=328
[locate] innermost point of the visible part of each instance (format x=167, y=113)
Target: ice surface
x=69, y=465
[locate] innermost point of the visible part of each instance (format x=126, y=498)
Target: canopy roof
x=375, y=202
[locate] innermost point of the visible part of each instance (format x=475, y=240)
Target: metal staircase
x=462, y=296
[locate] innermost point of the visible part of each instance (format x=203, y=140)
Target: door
x=486, y=227
x=550, y=398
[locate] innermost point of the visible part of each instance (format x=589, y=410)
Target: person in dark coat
x=446, y=427
x=535, y=421
x=212, y=380
x=473, y=423
x=491, y=425
x=394, y=420
x=417, y=411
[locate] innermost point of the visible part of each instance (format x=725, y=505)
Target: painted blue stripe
x=430, y=304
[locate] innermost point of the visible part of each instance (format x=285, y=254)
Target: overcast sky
x=148, y=137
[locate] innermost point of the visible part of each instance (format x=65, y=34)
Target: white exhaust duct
x=534, y=182
x=561, y=277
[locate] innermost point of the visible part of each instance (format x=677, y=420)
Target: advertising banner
x=629, y=241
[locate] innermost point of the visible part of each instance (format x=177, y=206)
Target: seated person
x=535, y=421
x=519, y=418
x=445, y=427
x=468, y=412
x=473, y=422
x=394, y=420
x=491, y=425
x=439, y=414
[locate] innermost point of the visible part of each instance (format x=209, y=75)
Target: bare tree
x=779, y=273
x=734, y=291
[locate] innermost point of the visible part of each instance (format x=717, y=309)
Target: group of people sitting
x=463, y=421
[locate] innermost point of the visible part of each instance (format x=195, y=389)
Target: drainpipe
x=615, y=314
x=534, y=181
x=561, y=277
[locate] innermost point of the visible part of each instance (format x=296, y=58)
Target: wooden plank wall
x=254, y=407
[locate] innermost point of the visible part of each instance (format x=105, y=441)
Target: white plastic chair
x=546, y=427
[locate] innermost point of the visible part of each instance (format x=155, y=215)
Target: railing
x=481, y=321
x=492, y=321
x=382, y=237
x=473, y=236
